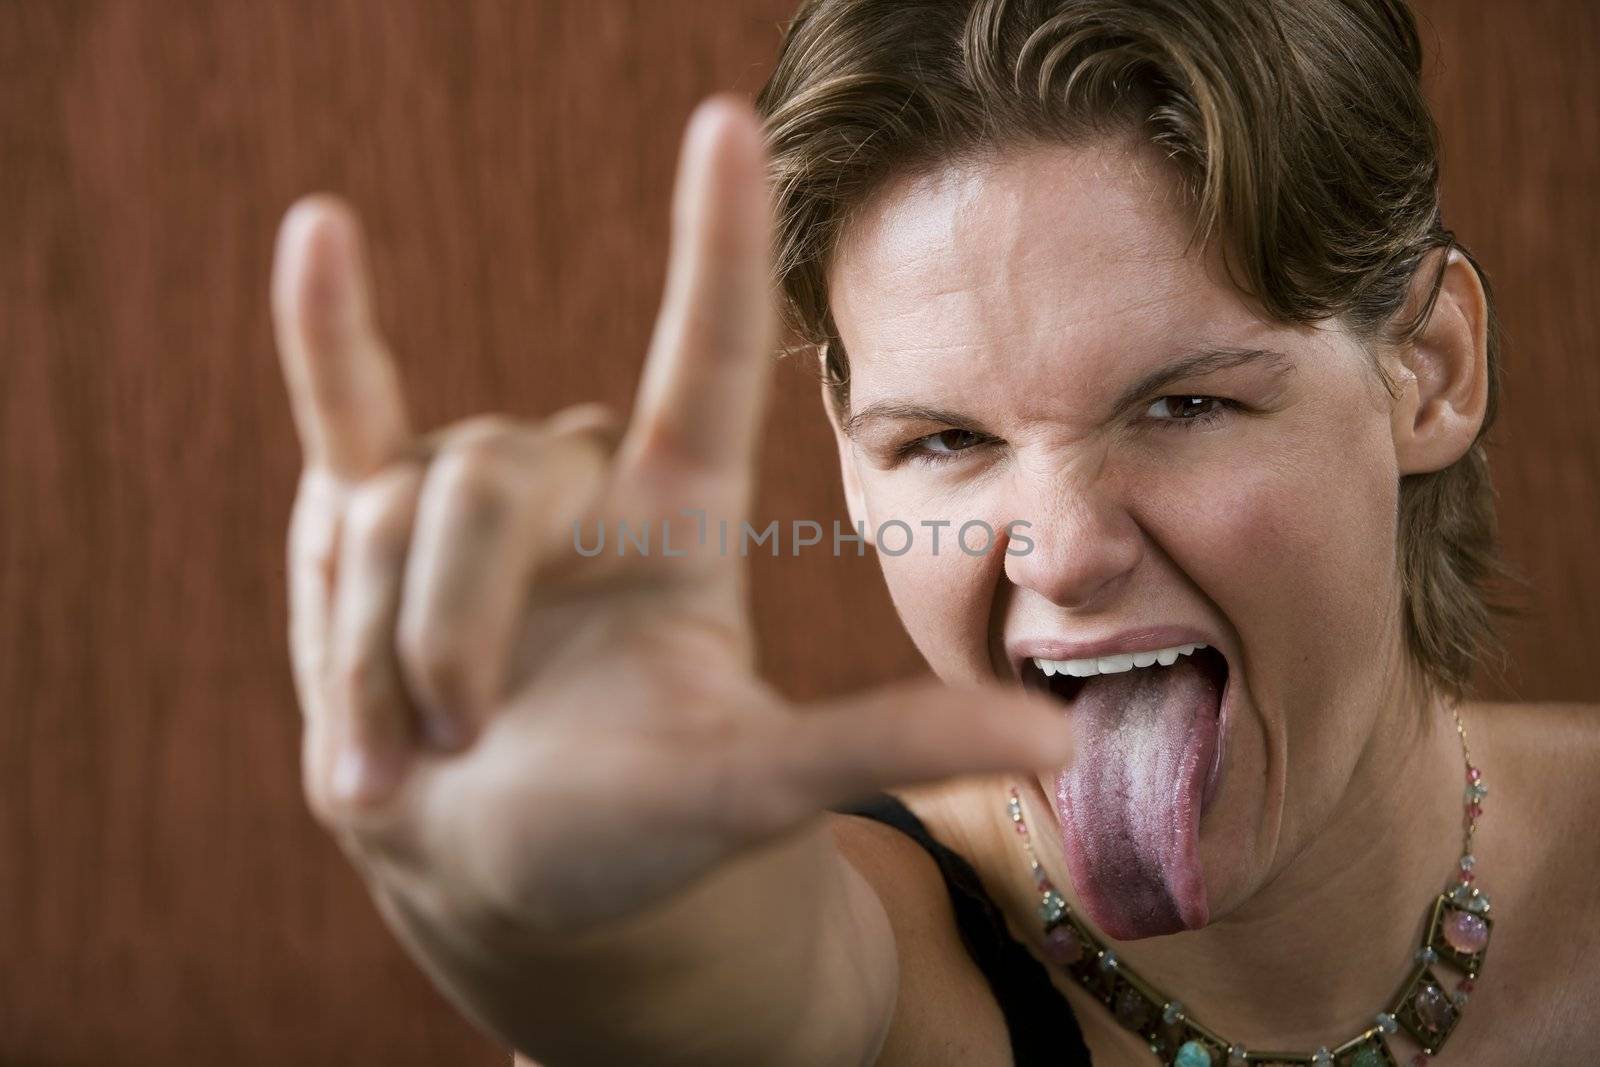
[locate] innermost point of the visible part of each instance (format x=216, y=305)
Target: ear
x=854, y=498
x=1442, y=373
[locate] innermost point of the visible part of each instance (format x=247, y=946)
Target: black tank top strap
x=1041, y=1024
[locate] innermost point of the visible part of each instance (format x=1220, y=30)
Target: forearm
x=783, y=955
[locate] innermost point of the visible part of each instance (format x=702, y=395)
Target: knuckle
x=363, y=827
x=313, y=523
x=322, y=801
x=355, y=824
x=722, y=337
x=493, y=435
x=593, y=412
x=598, y=424
x=436, y=665
x=306, y=665
x=378, y=524
x=330, y=813
x=472, y=483
x=360, y=682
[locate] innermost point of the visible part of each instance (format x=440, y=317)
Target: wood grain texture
x=164, y=897
x=1514, y=90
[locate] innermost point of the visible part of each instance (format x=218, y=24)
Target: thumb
x=906, y=734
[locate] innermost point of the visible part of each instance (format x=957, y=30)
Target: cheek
x=1297, y=551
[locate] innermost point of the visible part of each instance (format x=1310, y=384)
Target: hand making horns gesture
x=500, y=729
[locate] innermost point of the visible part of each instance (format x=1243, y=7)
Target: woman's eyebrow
x=1193, y=364
x=1204, y=361
x=891, y=409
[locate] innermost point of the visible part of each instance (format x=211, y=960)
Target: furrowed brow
x=1205, y=361
x=889, y=409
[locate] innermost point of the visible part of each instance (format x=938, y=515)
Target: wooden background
x=164, y=897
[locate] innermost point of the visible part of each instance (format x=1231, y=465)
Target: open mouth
x=1066, y=680
x=1149, y=763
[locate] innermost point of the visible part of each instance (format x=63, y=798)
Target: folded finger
x=368, y=721
x=497, y=499
x=312, y=563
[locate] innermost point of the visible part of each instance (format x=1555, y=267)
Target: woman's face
x=999, y=319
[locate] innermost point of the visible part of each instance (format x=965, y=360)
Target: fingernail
x=359, y=775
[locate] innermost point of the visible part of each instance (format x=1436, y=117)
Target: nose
x=1085, y=545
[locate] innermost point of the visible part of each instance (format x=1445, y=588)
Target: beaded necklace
x=1457, y=934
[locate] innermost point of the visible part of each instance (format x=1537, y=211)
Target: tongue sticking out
x=1130, y=804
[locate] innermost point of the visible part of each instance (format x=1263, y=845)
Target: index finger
x=344, y=389
x=702, y=394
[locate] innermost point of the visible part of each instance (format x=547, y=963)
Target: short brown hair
x=1302, y=140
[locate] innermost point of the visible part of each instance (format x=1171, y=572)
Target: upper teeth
x=1127, y=661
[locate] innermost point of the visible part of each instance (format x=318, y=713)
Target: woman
x=1151, y=306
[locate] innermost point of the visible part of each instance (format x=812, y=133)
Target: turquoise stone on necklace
x=1192, y=1054
x=1367, y=1057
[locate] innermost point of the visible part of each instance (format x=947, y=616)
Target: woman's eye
x=1187, y=410
x=937, y=447
x=950, y=440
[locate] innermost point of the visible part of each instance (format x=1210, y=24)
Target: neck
x=1325, y=943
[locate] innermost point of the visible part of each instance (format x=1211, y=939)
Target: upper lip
x=1136, y=639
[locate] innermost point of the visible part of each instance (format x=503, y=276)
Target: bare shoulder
x=1546, y=754
x=1538, y=721
x=1542, y=765
x=945, y=1012
x=1542, y=860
